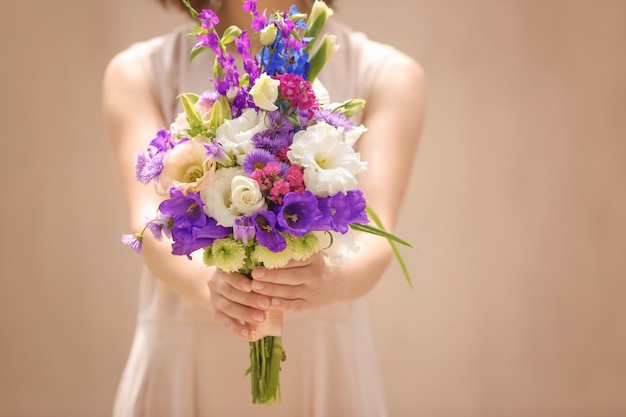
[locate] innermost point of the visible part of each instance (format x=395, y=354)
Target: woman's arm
x=132, y=117
x=394, y=117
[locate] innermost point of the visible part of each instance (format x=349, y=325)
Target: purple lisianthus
x=266, y=233
x=341, y=210
x=191, y=228
x=299, y=213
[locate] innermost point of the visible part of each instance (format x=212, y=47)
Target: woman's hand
x=235, y=305
x=300, y=285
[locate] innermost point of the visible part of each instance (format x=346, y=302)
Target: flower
x=191, y=228
x=234, y=135
x=268, y=34
x=187, y=166
x=133, y=241
x=299, y=213
x=246, y=195
x=330, y=163
x=337, y=247
x=217, y=198
x=243, y=229
x=264, y=92
x=227, y=254
x=341, y=210
x=302, y=248
x=266, y=233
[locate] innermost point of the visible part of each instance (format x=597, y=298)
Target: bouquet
x=260, y=169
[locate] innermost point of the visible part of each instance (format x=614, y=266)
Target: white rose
x=217, y=198
x=265, y=92
x=246, y=195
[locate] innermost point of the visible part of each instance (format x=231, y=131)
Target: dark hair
x=196, y=4
x=203, y=4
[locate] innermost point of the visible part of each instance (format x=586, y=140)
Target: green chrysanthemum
x=304, y=247
x=227, y=254
x=270, y=259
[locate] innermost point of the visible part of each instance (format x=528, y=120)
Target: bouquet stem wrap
x=266, y=355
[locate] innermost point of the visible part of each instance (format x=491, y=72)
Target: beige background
x=516, y=207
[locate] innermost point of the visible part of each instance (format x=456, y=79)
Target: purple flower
x=250, y=6
x=299, y=213
x=191, y=228
x=146, y=168
x=243, y=229
x=209, y=19
x=257, y=159
x=333, y=118
x=208, y=40
x=341, y=210
x=279, y=122
x=272, y=141
x=266, y=233
x=133, y=241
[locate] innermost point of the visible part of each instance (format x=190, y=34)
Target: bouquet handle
x=266, y=355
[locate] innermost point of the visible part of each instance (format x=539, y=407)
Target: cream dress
x=182, y=363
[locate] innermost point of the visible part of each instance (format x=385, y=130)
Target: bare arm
x=132, y=117
x=394, y=118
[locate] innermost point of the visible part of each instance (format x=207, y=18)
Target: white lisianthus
x=217, y=198
x=330, y=163
x=268, y=34
x=246, y=195
x=186, y=167
x=337, y=247
x=234, y=134
x=264, y=92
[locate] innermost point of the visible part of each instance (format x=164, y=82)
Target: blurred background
x=516, y=207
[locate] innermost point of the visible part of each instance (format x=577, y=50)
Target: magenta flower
x=209, y=19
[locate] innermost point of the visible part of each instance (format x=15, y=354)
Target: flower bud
x=320, y=12
x=264, y=92
x=268, y=34
x=324, y=53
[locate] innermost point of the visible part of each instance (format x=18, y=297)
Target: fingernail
x=263, y=303
x=257, y=285
x=258, y=317
x=258, y=273
x=246, y=287
x=244, y=332
x=275, y=301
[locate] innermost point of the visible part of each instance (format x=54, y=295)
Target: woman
x=183, y=361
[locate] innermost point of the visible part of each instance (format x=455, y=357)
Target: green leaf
x=380, y=231
x=229, y=35
x=192, y=11
x=195, y=52
x=194, y=119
